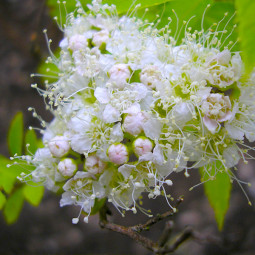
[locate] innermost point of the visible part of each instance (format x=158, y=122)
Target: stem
x=160, y=247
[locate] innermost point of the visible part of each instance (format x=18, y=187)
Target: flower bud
x=133, y=123
x=142, y=145
x=94, y=165
x=118, y=153
x=169, y=182
x=119, y=75
x=67, y=167
x=59, y=146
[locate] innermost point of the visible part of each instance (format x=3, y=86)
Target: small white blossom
x=94, y=165
x=150, y=76
x=78, y=42
x=216, y=108
x=100, y=37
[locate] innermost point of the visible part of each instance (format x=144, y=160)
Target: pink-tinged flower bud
x=119, y=75
x=150, y=76
x=59, y=146
x=133, y=123
x=100, y=37
x=78, y=42
x=67, y=167
x=94, y=165
x=142, y=145
x=118, y=153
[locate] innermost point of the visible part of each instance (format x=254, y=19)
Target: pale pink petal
x=211, y=125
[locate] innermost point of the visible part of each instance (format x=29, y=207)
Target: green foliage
x=185, y=9
x=12, y=192
x=13, y=206
x=49, y=69
x=61, y=10
x=124, y=6
x=33, y=194
x=31, y=140
x=2, y=200
x=246, y=28
x=217, y=190
x=99, y=203
x=15, y=135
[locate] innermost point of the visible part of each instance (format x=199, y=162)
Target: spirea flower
x=131, y=107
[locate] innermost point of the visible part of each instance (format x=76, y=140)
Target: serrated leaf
x=15, y=134
x=31, y=139
x=2, y=200
x=33, y=195
x=13, y=206
x=246, y=27
x=124, y=6
x=217, y=190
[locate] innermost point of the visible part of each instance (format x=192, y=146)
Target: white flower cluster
x=130, y=107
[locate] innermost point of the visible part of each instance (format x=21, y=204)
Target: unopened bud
x=142, y=145
x=59, y=146
x=118, y=153
x=67, y=167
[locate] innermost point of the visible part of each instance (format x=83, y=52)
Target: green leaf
x=217, y=190
x=61, y=10
x=2, y=200
x=15, y=134
x=99, y=203
x=184, y=10
x=31, y=139
x=49, y=70
x=33, y=195
x=124, y=6
x=8, y=175
x=246, y=28
x=13, y=206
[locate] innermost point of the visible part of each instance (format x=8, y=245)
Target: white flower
x=119, y=75
x=216, y=108
x=67, y=167
x=59, y=146
x=133, y=123
x=231, y=155
x=181, y=113
x=100, y=37
x=110, y=114
x=94, y=165
x=150, y=76
x=118, y=153
x=102, y=95
x=78, y=42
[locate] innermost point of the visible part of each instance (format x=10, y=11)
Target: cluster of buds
x=125, y=117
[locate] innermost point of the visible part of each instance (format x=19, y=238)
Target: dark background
x=47, y=229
